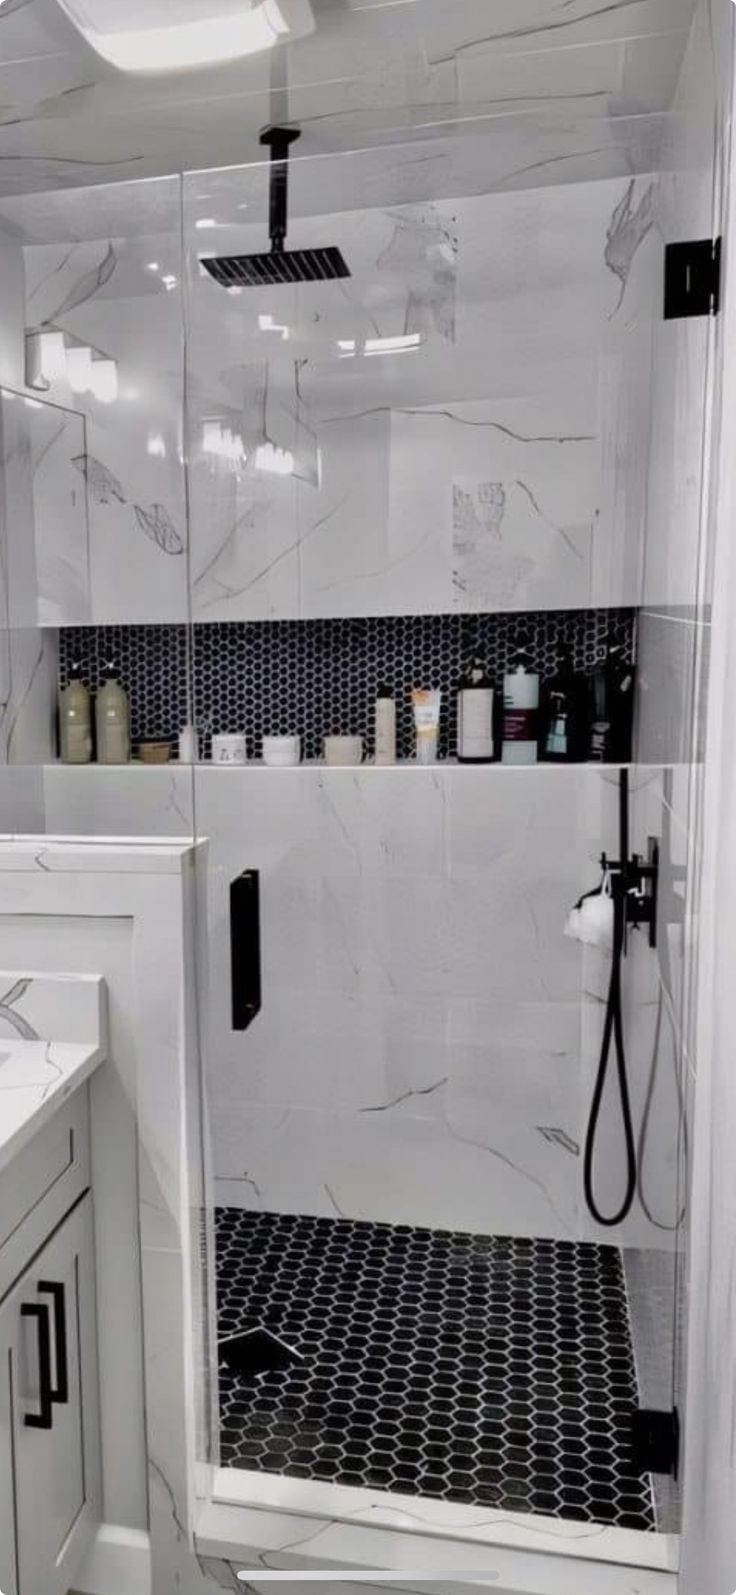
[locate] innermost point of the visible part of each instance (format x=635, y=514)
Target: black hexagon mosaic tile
x=318, y=677
x=493, y=1371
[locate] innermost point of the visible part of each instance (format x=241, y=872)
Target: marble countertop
x=139, y=855
x=35, y=1078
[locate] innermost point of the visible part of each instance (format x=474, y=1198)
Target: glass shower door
x=389, y=475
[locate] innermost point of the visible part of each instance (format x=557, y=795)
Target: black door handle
x=58, y=1294
x=45, y=1418
x=245, y=948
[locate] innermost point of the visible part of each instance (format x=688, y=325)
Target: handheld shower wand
x=634, y=893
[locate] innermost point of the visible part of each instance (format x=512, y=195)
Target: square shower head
x=276, y=266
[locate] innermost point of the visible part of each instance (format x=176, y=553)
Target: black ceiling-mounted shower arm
x=278, y=267
x=279, y=140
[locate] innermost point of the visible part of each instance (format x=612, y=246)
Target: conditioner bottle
x=75, y=720
x=113, y=720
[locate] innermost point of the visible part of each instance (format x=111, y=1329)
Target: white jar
x=282, y=753
x=343, y=750
x=229, y=749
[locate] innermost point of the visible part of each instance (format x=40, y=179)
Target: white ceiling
x=566, y=89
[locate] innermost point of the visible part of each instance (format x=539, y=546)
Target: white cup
x=282, y=752
x=188, y=745
x=229, y=749
x=343, y=750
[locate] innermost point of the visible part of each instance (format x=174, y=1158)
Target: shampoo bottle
x=75, y=720
x=520, y=710
x=476, y=701
x=113, y=720
x=612, y=707
x=385, y=728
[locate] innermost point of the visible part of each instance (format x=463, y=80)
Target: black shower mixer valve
x=637, y=882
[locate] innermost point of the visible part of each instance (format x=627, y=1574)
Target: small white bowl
x=281, y=753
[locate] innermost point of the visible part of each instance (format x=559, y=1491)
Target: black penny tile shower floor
x=492, y=1371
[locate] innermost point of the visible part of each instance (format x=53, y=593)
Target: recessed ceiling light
x=176, y=35
x=153, y=265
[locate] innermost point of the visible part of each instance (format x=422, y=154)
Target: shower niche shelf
x=368, y=768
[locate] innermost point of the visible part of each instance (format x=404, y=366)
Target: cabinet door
x=8, y=1559
x=49, y=1332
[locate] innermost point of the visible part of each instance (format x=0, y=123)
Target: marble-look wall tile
x=60, y=514
x=478, y=469
x=422, y=1008
x=506, y=517
x=122, y=484
x=27, y=719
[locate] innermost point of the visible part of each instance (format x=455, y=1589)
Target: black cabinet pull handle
x=45, y=1418
x=245, y=948
x=60, y=1393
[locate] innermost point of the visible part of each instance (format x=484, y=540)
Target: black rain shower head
x=280, y=265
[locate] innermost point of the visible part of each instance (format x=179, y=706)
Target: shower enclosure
x=484, y=437
x=387, y=474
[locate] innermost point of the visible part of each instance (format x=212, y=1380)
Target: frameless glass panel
x=442, y=455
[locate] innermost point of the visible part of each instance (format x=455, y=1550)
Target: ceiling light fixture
x=269, y=324
x=79, y=369
x=51, y=357
x=274, y=460
x=412, y=340
x=372, y=346
x=179, y=35
x=104, y=383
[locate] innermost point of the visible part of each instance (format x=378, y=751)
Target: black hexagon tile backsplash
x=319, y=677
x=493, y=1371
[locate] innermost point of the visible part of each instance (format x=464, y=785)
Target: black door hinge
x=655, y=1441
x=692, y=279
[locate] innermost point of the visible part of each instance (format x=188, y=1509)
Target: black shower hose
x=613, y=1030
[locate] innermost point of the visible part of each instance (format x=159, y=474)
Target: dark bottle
x=564, y=719
x=612, y=707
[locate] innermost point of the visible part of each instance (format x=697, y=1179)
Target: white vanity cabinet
x=49, y=1403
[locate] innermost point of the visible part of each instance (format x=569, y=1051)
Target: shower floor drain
x=489, y=1370
x=256, y=1351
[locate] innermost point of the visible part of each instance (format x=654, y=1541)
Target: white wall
x=423, y=1054
x=500, y=465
